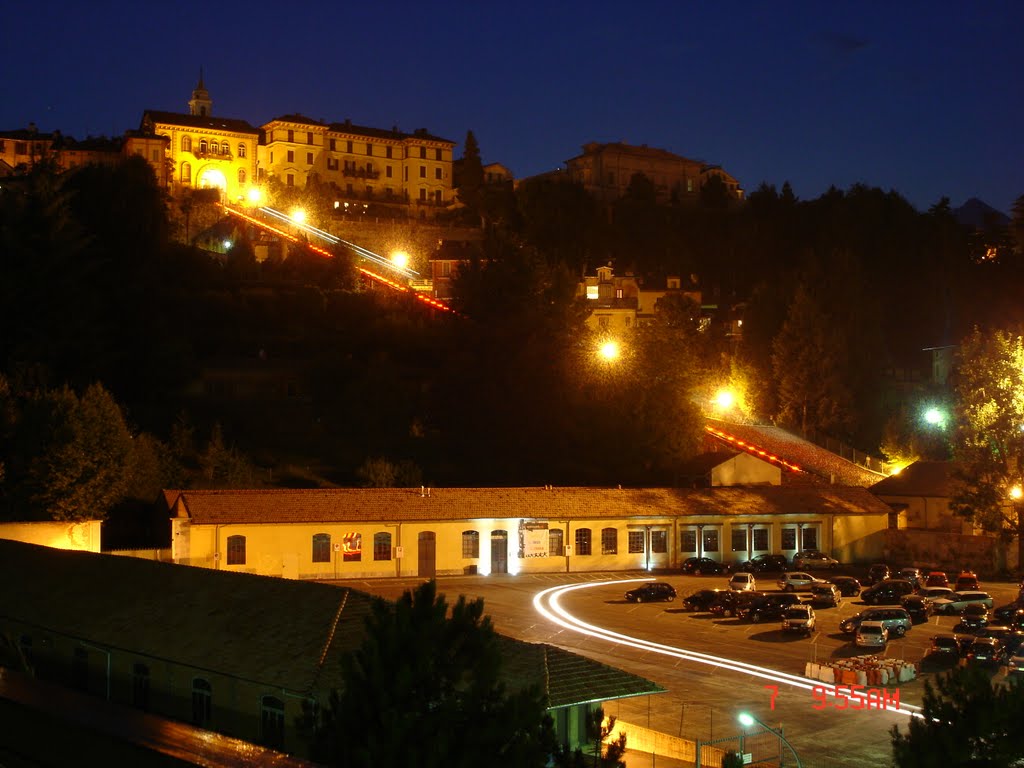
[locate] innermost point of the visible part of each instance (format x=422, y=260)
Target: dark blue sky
x=926, y=98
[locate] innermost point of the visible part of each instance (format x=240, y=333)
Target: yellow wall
x=84, y=536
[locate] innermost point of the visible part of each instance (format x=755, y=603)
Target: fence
x=844, y=451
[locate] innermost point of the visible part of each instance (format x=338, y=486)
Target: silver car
x=872, y=634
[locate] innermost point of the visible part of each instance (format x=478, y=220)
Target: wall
x=744, y=469
x=84, y=536
x=949, y=551
x=859, y=538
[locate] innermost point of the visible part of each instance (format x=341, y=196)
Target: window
x=446, y=269
x=202, y=146
x=437, y=173
x=423, y=194
x=291, y=136
x=369, y=149
x=470, y=544
x=609, y=541
x=810, y=536
x=423, y=171
x=382, y=546
x=659, y=542
x=739, y=540
x=423, y=153
x=789, y=538
x=186, y=173
x=711, y=540
x=225, y=149
x=387, y=152
x=202, y=701
x=309, y=137
x=387, y=171
x=241, y=175
x=348, y=146
x=582, y=541
x=272, y=720
x=556, y=539
x=241, y=150
x=321, y=547
x=290, y=179
x=140, y=686
x=333, y=144
x=186, y=143
x=309, y=158
x=636, y=542
x=688, y=541
x=332, y=163
x=760, y=539
x=236, y=550
x=437, y=195
x=291, y=156
x=437, y=154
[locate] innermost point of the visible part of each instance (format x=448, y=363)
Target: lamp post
x=747, y=720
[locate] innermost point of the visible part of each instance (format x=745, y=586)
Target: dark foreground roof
x=283, y=633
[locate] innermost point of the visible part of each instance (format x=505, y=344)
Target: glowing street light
x=400, y=259
x=254, y=195
x=747, y=720
x=935, y=418
x=298, y=216
x=609, y=351
x=724, y=399
x=1016, y=493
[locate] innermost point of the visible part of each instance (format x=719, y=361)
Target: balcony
x=359, y=173
x=208, y=154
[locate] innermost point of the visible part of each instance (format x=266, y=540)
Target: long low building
x=381, y=532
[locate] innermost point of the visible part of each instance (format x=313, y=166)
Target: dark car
x=919, y=608
x=848, y=586
x=1004, y=614
x=887, y=592
x=702, y=599
x=765, y=563
x=702, y=565
x=651, y=592
x=728, y=601
x=973, y=618
x=876, y=573
x=770, y=606
x=1010, y=638
x=945, y=648
x=895, y=619
x=985, y=650
x=827, y=594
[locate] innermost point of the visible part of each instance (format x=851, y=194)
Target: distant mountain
x=978, y=214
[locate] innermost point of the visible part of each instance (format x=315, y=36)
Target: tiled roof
x=922, y=478
x=200, y=121
x=383, y=133
x=411, y=504
x=283, y=633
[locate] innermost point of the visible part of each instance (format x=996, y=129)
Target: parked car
x=955, y=603
x=848, y=586
x=826, y=593
x=973, y=618
x=809, y=559
x=743, y=581
x=770, y=606
x=798, y=618
x=887, y=592
x=871, y=634
x=896, y=620
x=701, y=599
x=728, y=601
x=934, y=593
x=966, y=580
x=699, y=566
x=919, y=608
x=797, y=580
x=766, y=564
x=1015, y=663
x=650, y=592
x=1010, y=638
x=913, y=575
x=945, y=650
x=985, y=650
x=877, y=573
x=1004, y=614
x=936, y=579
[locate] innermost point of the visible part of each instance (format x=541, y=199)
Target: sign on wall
x=533, y=538
x=352, y=547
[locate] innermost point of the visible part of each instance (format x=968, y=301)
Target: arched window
x=186, y=173
x=382, y=546
x=582, y=541
x=241, y=175
x=236, y=550
x=609, y=541
x=470, y=544
x=225, y=149
x=556, y=542
x=202, y=146
x=202, y=702
x=321, y=547
x=241, y=150
x=186, y=143
x=272, y=722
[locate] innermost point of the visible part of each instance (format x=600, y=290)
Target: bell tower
x=200, y=104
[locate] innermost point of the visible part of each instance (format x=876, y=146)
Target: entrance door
x=499, y=551
x=426, y=566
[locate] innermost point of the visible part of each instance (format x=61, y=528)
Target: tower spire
x=200, y=103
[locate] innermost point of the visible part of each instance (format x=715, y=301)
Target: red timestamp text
x=855, y=697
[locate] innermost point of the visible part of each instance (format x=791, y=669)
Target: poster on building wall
x=533, y=538
x=352, y=547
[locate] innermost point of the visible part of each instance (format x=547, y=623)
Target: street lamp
x=747, y=720
x=609, y=351
x=935, y=418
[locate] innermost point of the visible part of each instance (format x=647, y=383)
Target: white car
x=956, y=602
x=742, y=581
x=872, y=634
x=796, y=580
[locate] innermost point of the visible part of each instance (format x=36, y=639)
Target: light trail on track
x=548, y=604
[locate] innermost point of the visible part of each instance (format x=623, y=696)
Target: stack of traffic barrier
x=862, y=670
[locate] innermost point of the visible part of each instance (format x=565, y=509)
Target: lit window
x=202, y=146
x=470, y=544
x=236, y=550
x=582, y=541
x=593, y=292
x=609, y=541
x=186, y=173
x=555, y=542
x=186, y=143
x=241, y=175
x=382, y=546
x=225, y=149
x=636, y=542
x=321, y=547
x=241, y=150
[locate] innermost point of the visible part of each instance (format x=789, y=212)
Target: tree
x=966, y=721
x=425, y=688
x=471, y=176
x=223, y=466
x=989, y=440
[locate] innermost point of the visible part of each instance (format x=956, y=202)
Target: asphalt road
x=703, y=700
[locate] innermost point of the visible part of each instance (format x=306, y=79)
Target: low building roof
x=198, y=121
x=922, y=478
x=282, y=633
x=278, y=506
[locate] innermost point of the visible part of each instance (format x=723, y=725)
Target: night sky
x=921, y=97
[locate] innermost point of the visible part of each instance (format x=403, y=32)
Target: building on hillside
x=384, y=532
x=235, y=654
x=409, y=173
x=607, y=170
x=204, y=151
x=84, y=535
x=619, y=303
x=726, y=468
x=920, y=496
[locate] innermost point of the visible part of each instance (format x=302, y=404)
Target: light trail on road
x=548, y=604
